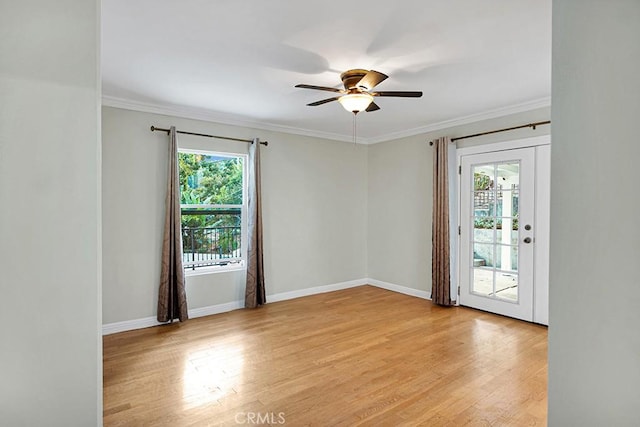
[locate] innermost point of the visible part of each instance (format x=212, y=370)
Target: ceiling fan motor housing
x=350, y=78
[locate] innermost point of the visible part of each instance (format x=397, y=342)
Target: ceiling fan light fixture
x=355, y=102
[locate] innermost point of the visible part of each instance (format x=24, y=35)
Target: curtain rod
x=529, y=125
x=153, y=129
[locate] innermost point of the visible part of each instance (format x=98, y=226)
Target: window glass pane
x=483, y=203
x=514, y=258
x=507, y=230
x=482, y=282
x=506, y=257
x=483, y=255
x=210, y=179
x=506, y=286
x=508, y=178
x=514, y=235
x=507, y=200
x=211, y=236
x=508, y=173
x=483, y=230
x=483, y=177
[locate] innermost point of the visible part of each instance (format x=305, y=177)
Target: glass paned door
x=497, y=212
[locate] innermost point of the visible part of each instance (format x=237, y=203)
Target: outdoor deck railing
x=204, y=246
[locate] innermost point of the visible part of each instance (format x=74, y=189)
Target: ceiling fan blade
x=324, y=101
x=330, y=89
x=371, y=80
x=372, y=107
x=402, y=94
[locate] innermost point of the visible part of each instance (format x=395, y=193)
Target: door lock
x=527, y=240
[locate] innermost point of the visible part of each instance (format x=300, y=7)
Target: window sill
x=214, y=269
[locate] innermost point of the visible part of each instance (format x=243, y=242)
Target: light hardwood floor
x=361, y=356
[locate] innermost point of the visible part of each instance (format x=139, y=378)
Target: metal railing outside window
x=211, y=237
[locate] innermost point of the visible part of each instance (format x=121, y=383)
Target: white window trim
x=242, y=266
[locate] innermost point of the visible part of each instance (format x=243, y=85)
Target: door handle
x=527, y=240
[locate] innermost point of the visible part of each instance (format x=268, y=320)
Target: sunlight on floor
x=212, y=373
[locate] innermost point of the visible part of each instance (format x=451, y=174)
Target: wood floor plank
x=361, y=356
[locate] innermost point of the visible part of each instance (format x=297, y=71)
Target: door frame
x=542, y=173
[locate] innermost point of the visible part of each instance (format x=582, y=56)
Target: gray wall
x=594, y=335
x=400, y=192
x=51, y=369
x=314, y=208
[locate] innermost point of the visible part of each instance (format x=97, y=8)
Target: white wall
x=400, y=197
x=594, y=335
x=50, y=357
x=314, y=212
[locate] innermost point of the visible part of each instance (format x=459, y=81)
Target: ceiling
x=238, y=61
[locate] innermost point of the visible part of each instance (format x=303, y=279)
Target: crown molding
x=236, y=120
x=473, y=118
x=215, y=117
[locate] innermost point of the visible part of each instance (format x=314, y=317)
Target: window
x=213, y=206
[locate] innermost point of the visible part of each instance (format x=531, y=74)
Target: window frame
x=242, y=264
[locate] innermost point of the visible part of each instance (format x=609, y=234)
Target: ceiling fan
x=358, y=94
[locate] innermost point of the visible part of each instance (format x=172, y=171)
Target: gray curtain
x=254, y=291
x=440, y=254
x=172, y=299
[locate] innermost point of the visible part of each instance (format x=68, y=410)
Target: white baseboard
x=130, y=325
x=215, y=309
x=283, y=296
x=400, y=289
